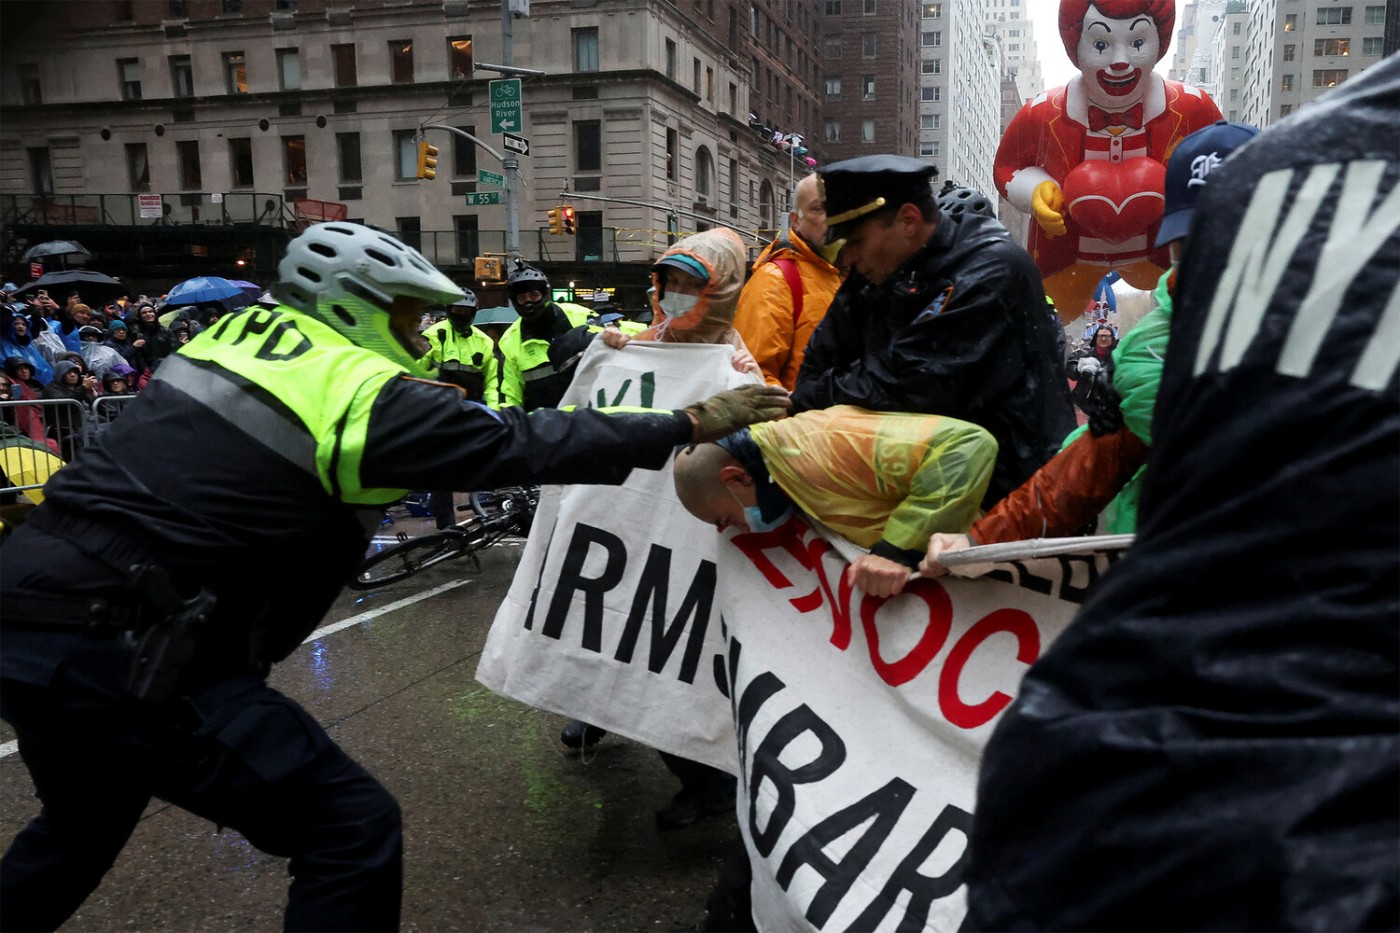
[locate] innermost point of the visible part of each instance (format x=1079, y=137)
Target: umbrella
x=56, y=248
x=201, y=289
x=95, y=287
x=27, y=464
x=252, y=290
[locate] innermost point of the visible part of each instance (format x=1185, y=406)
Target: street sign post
x=515, y=143
x=481, y=198
x=490, y=178
x=505, y=105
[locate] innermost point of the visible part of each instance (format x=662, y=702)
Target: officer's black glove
x=565, y=350
x=1103, y=404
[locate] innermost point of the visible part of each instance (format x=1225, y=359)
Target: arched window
x=704, y=176
x=765, y=206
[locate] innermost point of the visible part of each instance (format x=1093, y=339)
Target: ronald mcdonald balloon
x=1088, y=160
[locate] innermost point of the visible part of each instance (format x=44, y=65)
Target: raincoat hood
x=61, y=369
x=721, y=253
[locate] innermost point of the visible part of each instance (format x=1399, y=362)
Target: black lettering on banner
x=885, y=804
x=651, y=594
x=759, y=691
x=539, y=577
x=268, y=351
x=923, y=890
x=571, y=580
x=784, y=779
x=1061, y=584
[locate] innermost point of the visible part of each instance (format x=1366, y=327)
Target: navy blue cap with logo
x=1191, y=163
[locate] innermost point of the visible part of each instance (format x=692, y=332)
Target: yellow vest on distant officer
x=467, y=361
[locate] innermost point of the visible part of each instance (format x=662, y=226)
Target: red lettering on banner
x=809, y=554
x=970, y=716
x=940, y=623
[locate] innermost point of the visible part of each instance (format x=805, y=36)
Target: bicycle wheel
x=401, y=561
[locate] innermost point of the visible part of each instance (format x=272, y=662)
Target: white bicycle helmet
x=346, y=276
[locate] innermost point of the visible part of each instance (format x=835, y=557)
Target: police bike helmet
x=526, y=279
x=955, y=201
x=461, y=311
x=346, y=275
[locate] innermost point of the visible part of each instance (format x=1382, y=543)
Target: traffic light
x=488, y=269
x=570, y=218
x=556, y=221
x=427, y=159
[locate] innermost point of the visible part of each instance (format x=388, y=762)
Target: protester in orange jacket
x=791, y=287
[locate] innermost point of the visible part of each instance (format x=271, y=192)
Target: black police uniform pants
x=239, y=754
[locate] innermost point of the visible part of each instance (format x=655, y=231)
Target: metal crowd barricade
x=32, y=431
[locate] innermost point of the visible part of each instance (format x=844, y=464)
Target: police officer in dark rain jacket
x=942, y=313
x=1214, y=744
x=207, y=534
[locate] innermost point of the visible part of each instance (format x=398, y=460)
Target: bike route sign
x=505, y=105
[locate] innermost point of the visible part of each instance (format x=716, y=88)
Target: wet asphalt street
x=505, y=829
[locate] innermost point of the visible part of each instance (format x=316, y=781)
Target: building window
x=1375, y=15
x=459, y=57
x=31, y=91
x=671, y=59
x=704, y=175
x=468, y=236
x=1235, y=53
x=931, y=93
x=1334, y=16
x=709, y=84
x=410, y=229
x=867, y=131
x=1329, y=77
x=833, y=7
x=294, y=160
x=1286, y=84
x=129, y=76
x=933, y=11
x=1290, y=22
x=1285, y=109
x=1289, y=51
x=765, y=206
x=188, y=154
x=1235, y=28
x=1331, y=46
x=181, y=76
x=289, y=6
x=1234, y=94
x=347, y=150
x=463, y=154
x=179, y=9
x=831, y=131
x=673, y=169
x=926, y=121
x=931, y=40
x=1372, y=45
x=235, y=73
x=586, y=51
x=869, y=45
x=869, y=8
x=138, y=167
x=931, y=150
x=233, y=6
x=343, y=60
x=1235, y=73
x=401, y=61
x=588, y=146
x=240, y=162
x=831, y=47
x=289, y=69
x=867, y=87
x=733, y=98
x=406, y=155
x=833, y=86
x=733, y=187
x=41, y=170
x=695, y=75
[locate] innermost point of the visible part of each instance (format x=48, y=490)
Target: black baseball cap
x=1191, y=163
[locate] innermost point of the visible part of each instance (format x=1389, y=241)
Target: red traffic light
x=570, y=218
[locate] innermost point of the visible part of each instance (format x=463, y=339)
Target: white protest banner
x=611, y=616
x=860, y=722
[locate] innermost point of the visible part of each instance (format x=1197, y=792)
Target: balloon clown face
x=1115, y=44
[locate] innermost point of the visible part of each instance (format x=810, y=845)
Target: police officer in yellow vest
x=171, y=565
x=462, y=354
x=528, y=375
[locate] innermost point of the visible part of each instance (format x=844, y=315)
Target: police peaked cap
x=856, y=188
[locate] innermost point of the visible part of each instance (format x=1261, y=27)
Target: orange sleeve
x=1067, y=492
x=764, y=320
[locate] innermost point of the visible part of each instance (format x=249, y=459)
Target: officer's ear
x=734, y=475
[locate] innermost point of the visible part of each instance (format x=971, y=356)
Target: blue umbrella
x=201, y=289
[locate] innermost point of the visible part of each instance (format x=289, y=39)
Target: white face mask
x=679, y=305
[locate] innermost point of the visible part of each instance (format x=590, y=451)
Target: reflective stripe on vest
x=322, y=390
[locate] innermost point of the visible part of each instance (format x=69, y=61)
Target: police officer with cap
x=171, y=565
x=939, y=315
